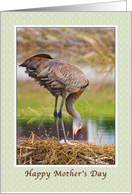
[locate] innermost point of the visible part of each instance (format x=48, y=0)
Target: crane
x=61, y=79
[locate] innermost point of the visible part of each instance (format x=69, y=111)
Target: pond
x=93, y=127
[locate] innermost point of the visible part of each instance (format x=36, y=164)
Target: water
x=91, y=130
x=96, y=126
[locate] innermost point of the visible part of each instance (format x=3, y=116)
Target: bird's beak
x=74, y=137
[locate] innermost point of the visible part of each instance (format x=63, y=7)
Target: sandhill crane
x=61, y=79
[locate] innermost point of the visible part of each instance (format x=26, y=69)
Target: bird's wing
x=64, y=73
x=58, y=73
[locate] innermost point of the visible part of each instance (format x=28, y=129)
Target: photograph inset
x=65, y=96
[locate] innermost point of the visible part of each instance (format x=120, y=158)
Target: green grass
x=93, y=102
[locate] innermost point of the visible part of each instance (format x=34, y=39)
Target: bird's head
x=77, y=126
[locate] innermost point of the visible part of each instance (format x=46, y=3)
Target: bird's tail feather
x=35, y=61
x=85, y=85
x=22, y=65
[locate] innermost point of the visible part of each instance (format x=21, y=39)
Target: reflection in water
x=88, y=133
x=24, y=130
x=97, y=125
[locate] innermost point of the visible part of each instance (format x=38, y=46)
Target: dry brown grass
x=35, y=151
x=89, y=46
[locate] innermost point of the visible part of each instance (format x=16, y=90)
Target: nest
x=35, y=151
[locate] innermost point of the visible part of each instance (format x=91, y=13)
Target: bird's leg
x=56, y=119
x=61, y=120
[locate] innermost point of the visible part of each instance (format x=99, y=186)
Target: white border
x=15, y=94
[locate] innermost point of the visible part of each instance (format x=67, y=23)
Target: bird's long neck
x=70, y=100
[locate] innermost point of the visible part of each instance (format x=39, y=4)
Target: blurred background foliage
x=92, y=46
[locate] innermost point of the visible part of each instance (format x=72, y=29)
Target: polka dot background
x=118, y=179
